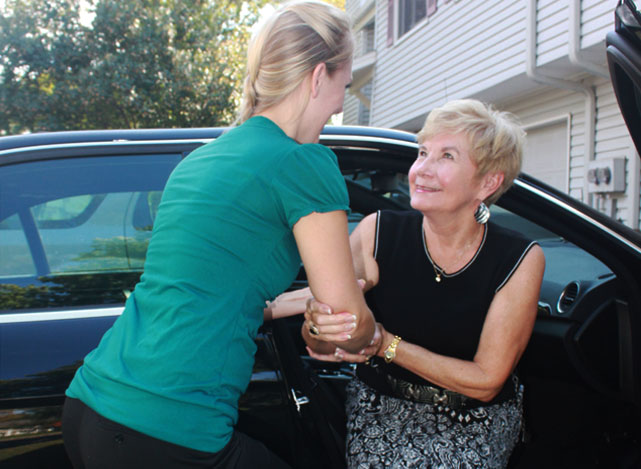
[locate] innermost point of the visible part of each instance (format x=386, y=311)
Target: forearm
x=505, y=334
x=287, y=304
x=324, y=248
x=463, y=376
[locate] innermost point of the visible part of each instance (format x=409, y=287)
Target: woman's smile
x=423, y=189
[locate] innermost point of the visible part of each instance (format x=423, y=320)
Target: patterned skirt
x=387, y=432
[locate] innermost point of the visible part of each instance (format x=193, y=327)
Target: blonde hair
x=296, y=38
x=496, y=139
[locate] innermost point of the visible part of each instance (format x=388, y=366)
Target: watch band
x=390, y=351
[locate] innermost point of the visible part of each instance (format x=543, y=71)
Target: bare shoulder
x=529, y=274
x=534, y=260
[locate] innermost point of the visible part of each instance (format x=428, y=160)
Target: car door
x=623, y=47
x=72, y=243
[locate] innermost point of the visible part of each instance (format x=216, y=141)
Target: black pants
x=94, y=442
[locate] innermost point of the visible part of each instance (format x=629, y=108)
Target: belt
x=429, y=394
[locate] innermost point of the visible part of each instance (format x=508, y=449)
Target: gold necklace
x=439, y=273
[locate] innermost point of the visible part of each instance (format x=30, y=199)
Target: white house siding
x=430, y=65
x=613, y=141
x=596, y=20
x=350, y=109
x=540, y=108
x=477, y=48
x=552, y=30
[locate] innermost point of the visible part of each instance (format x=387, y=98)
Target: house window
x=410, y=12
x=368, y=38
x=363, y=107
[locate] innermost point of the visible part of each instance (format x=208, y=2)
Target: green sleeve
x=310, y=181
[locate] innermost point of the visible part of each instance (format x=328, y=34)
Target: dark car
x=76, y=213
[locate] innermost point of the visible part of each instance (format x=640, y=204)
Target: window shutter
x=431, y=7
x=390, y=22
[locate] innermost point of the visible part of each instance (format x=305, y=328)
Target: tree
x=337, y=3
x=138, y=63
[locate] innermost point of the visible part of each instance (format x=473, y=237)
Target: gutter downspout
x=587, y=91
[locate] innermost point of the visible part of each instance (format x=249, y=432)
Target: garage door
x=547, y=153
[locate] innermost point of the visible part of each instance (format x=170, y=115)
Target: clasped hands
x=336, y=328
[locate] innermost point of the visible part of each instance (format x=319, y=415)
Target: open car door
x=624, y=60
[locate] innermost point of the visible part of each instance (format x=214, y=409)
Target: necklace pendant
x=438, y=278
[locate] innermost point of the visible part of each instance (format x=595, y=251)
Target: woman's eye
x=449, y=156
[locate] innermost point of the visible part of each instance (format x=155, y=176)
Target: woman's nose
x=424, y=165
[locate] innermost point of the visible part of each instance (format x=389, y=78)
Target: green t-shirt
x=175, y=363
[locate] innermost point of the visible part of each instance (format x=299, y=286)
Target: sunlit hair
x=296, y=38
x=496, y=139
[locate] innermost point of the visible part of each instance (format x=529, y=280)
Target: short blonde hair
x=496, y=139
x=296, y=38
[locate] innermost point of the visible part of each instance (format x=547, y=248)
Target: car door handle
x=299, y=399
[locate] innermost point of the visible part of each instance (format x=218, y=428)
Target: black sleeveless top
x=446, y=317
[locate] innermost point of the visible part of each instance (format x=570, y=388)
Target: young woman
x=236, y=218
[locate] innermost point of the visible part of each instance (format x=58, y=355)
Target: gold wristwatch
x=390, y=352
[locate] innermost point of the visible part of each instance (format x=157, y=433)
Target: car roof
x=139, y=135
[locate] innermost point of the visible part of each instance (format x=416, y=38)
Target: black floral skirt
x=387, y=432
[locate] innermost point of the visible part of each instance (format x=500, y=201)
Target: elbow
x=487, y=395
x=488, y=392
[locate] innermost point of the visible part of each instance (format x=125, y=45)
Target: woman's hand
x=325, y=325
x=341, y=355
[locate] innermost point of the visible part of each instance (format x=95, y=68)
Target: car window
x=14, y=250
x=565, y=263
x=67, y=221
x=519, y=224
x=371, y=190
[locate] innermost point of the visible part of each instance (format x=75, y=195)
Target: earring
x=482, y=214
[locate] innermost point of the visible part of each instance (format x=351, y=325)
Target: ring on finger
x=313, y=329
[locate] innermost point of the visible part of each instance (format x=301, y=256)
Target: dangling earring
x=482, y=214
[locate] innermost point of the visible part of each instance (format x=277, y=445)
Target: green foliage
x=16, y=297
x=139, y=63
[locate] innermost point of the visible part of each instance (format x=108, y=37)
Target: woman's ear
x=491, y=182
x=318, y=76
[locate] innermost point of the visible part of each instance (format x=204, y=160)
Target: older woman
x=455, y=297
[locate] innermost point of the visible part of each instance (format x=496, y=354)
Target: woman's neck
x=452, y=244
x=290, y=116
